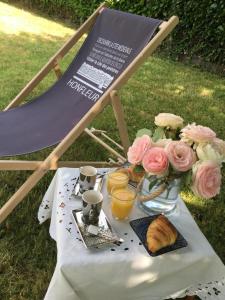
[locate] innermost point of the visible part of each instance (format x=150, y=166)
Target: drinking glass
x=122, y=201
x=116, y=179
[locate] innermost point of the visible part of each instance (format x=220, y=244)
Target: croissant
x=160, y=233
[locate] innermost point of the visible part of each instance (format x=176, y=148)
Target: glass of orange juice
x=116, y=179
x=122, y=201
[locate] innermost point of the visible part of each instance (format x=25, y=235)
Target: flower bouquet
x=191, y=154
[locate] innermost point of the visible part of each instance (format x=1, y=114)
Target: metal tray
x=106, y=235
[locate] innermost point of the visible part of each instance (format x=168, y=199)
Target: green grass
x=27, y=41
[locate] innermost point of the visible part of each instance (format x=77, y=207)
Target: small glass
x=116, y=179
x=122, y=202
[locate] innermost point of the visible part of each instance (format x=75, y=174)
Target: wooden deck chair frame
x=52, y=161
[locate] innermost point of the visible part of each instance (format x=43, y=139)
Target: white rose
x=169, y=120
x=219, y=146
x=207, y=152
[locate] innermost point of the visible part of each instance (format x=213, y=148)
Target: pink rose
x=155, y=161
x=181, y=156
x=206, y=179
x=137, y=150
x=197, y=134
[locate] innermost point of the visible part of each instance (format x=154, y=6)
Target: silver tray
x=106, y=235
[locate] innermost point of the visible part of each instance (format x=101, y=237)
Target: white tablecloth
x=125, y=272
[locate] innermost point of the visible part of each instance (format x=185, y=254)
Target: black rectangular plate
x=140, y=227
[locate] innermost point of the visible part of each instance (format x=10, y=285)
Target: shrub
x=200, y=32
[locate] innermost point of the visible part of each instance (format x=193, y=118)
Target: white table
x=127, y=271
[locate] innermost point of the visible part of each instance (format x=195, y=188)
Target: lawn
x=27, y=41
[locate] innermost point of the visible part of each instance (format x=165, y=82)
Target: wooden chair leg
x=119, y=114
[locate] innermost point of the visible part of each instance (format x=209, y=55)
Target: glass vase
x=165, y=203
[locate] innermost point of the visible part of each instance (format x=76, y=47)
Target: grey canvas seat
x=115, y=40
x=117, y=44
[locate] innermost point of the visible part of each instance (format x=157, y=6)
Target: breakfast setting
x=128, y=224
x=135, y=201
x=93, y=224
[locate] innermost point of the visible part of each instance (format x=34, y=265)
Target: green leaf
x=214, y=5
x=143, y=131
x=170, y=134
x=158, y=134
x=138, y=169
x=188, y=178
x=152, y=183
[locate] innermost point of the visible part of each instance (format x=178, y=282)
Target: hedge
x=200, y=33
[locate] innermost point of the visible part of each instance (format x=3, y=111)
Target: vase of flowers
x=175, y=155
x=159, y=200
